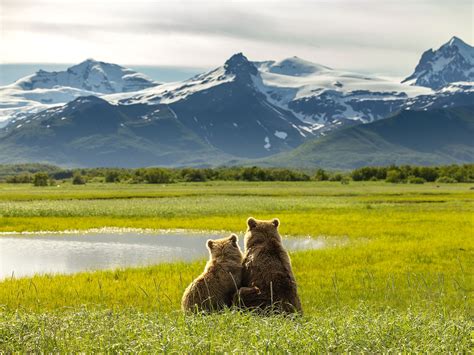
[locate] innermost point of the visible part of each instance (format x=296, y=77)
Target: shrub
x=416, y=180
x=40, y=179
x=78, y=179
x=446, y=180
x=20, y=179
x=157, y=176
x=393, y=176
x=368, y=173
x=321, y=175
x=428, y=173
x=195, y=175
x=112, y=176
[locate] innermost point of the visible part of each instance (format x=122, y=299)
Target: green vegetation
x=78, y=179
x=416, y=174
x=396, y=277
x=22, y=173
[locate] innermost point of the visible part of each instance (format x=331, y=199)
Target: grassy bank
x=401, y=280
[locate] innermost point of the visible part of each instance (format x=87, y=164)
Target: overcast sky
x=383, y=36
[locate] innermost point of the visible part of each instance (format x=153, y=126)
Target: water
x=56, y=253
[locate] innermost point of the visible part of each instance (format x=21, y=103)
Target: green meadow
x=396, y=274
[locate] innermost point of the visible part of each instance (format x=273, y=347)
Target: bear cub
x=267, y=276
x=216, y=286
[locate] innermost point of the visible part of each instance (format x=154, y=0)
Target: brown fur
x=267, y=277
x=214, y=288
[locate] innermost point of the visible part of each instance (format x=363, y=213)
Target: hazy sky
x=384, y=36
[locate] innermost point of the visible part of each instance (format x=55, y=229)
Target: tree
x=446, y=180
x=78, y=179
x=40, y=179
x=157, y=176
x=321, y=175
x=393, y=176
x=20, y=179
x=415, y=180
x=112, y=176
x=195, y=175
x=427, y=173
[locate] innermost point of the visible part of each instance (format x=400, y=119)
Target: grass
x=340, y=330
x=402, y=282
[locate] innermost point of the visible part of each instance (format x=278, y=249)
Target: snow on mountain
x=44, y=89
x=171, y=92
x=293, y=66
x=319, y=97
x=90, y=75
x=452, y=62
x=316, y=94
x=319, y=94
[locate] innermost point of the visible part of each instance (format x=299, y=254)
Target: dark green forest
x=42, y=175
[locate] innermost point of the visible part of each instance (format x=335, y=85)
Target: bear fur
x=267, y=277
x=215, y=287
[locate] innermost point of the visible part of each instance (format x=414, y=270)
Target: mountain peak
x=89, y=75
x=239, y=65
x=85, y=65
x=452, y=62
x=456, y=41
x=295, y=66
x=89, y=60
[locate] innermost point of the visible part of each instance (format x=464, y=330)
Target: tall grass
x=359, y=329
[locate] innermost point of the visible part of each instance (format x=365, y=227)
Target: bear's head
x=225, y=249
x=261, y=232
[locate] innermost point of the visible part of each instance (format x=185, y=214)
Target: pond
x=22, y=255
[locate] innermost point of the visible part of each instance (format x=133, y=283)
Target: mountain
x=239, y=111
x=442, y=136
x=225, y=108
x=221, y=113
x=90, y=75
x=46, y=89
x=452, y=62
x=89, y=131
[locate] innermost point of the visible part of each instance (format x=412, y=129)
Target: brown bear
x=215, y=287
x=267, y=278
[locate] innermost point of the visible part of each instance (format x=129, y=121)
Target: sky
x=378, y=36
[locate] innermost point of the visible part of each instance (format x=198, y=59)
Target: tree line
x=50, y=175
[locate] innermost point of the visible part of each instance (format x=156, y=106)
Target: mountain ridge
x=241, y=110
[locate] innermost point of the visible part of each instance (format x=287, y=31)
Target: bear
x=267, y=277
x=215, y=287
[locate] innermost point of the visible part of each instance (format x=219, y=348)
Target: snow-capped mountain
x=225, y=107
x=452, y=62
x=311, y=98
x=90, y=75
x=44, y=89
x=240, y=110
x=326, y=97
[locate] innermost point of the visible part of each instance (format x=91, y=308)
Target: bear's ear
x=276, y=222
x=210, y=244
x=251, y=222
x=234, y=238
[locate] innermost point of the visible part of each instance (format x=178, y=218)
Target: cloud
x=339, y=32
